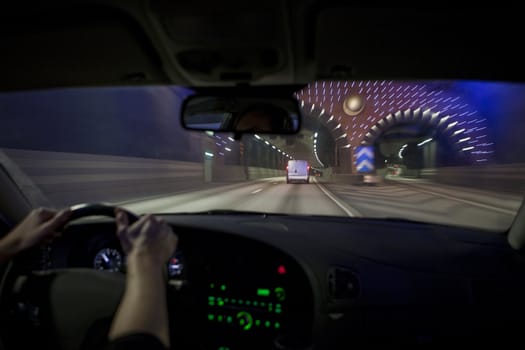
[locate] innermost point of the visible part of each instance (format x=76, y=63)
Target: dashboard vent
x=343, y=283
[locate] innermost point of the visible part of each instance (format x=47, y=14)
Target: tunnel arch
x=387, y=103
x=459, y=137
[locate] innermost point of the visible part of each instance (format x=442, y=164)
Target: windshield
x=447, y=152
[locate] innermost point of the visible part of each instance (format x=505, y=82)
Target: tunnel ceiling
x=358, y=112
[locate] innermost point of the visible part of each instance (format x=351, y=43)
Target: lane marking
x=351, y=213
x=465, y=201
x=257, y=191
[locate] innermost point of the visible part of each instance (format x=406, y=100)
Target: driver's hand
x=40, y=225
x=148, y=238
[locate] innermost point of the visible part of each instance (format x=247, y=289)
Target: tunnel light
x=302, y=103
x=458, y=131
x=423, y=142
x=315, y=140
x=346, y=146
x=274, y=147
x=230, y=138
x=464, y=139
x=444, y=119
x=257, y=137
x=467, y=148
x=315, y=135
x=322, y=112
x=208, y=154
x=452, y=124
x=209, y=133
x=266, y=142
x=227, y=149
x=338, y=126
x=331, y=118
x=400, y=153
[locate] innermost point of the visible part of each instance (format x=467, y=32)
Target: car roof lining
x=94, y=43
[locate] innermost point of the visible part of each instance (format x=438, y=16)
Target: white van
x=297, y=171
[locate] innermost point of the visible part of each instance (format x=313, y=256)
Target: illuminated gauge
x=108, y=259
x=176, y=265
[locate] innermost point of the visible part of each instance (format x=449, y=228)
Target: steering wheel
x=65, y=308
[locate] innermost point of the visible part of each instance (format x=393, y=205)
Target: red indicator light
x=281, y=270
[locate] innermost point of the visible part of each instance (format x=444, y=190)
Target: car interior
x=258, y=280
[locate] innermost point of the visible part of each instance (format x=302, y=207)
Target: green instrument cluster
x=252, y=309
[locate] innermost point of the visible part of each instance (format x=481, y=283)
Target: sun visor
x=403, y=43
x=75, y=46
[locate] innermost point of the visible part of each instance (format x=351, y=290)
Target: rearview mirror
x=241, y=114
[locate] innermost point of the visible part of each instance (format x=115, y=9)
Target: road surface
x=420, y=201
x=269, y=195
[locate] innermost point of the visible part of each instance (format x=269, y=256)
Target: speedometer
x=108, y=259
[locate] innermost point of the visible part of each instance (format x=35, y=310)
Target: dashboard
x=291, y=282
x=238, y=292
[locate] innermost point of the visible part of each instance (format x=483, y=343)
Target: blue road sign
x=365, y=159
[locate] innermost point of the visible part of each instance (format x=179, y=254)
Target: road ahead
x=413, y=200
x=61, y=179
x=269, y=195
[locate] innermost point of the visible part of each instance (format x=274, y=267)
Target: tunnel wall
x=69, y=178
x=508, y=178
x=235, y=173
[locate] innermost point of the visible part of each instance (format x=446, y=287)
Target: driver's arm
x=149, y=243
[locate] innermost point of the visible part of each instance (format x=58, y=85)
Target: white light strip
x=423, y=142
x=458, y=131
x=467, y=148
x=464, y=139
x=400, y=153
x=227, y=149
x=208, y=154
